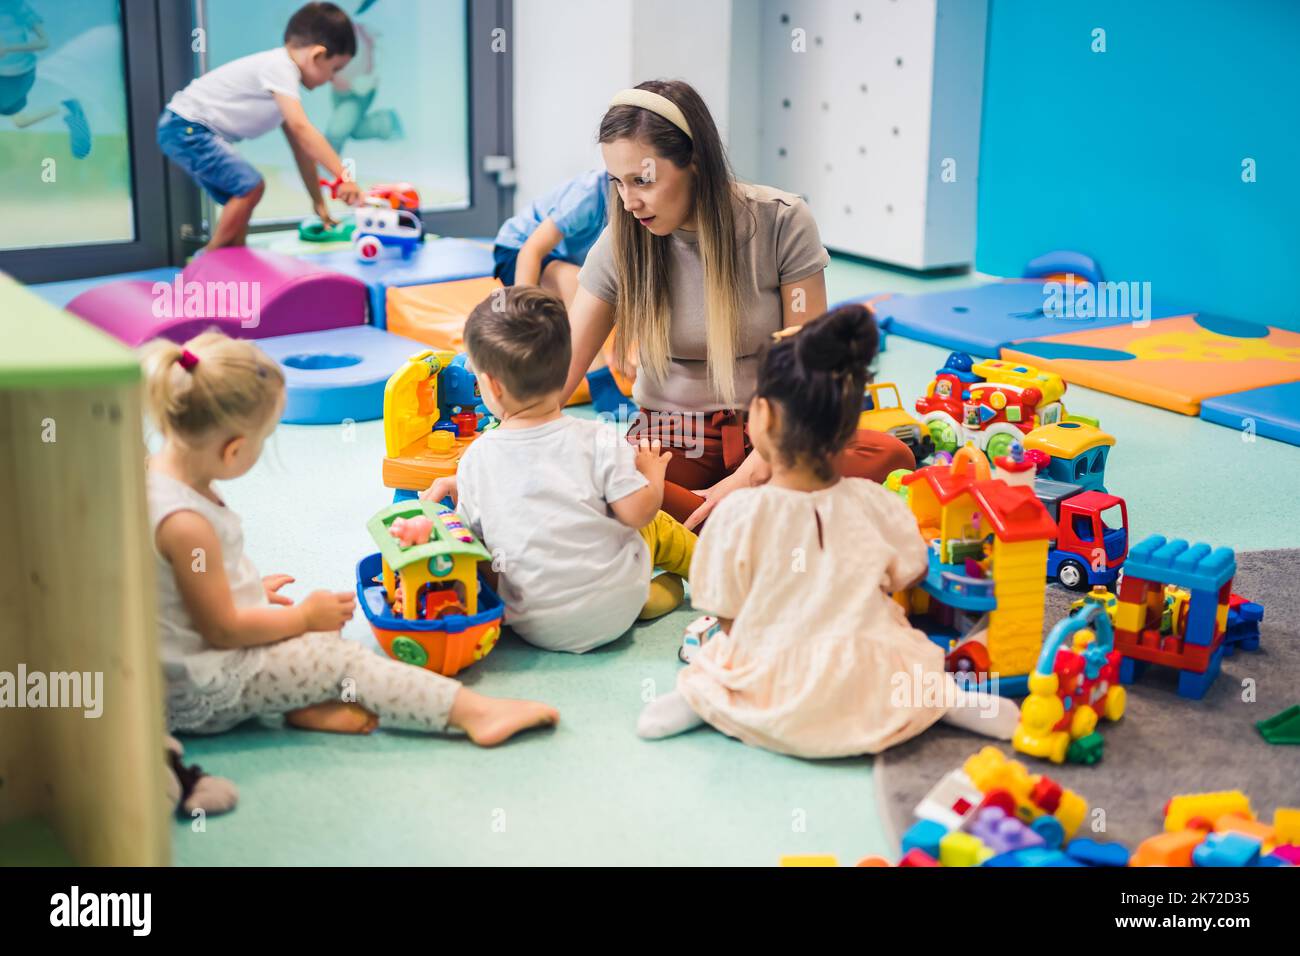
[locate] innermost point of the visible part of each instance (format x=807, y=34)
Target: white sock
x=666, y=716
x=986, y=714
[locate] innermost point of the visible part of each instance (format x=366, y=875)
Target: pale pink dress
x=820, y=662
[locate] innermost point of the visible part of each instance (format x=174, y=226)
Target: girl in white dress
x=816, y=659
x=233, y=646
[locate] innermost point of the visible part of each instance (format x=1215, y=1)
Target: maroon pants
x=710, y=447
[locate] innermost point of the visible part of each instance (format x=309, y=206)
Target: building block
x=1168, y=849
x=244, y=292
x=1286, y=824
x=1002, y=833
x=1094, y=853
x=1226, y=849
x=950, y=801
x=1039, y=856
x=873, y=861
x=1241, y=629
x=925, y=835
x=1257, y=829
x=1271, y=859
x=962, y=849
x=1184, y=808
x=1289, y=852
x=810, y=859
x=1272, y=411
x=1281, y=728
x=916, y=857
x=1196, y=567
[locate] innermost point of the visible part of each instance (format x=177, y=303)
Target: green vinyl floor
x=591, y=792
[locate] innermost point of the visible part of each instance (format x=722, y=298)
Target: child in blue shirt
x=251, y=96
x=22, y=36
x=547, y=244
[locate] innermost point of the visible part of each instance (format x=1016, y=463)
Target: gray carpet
x=1164, y=745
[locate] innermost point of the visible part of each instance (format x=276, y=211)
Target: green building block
x=1283, y=728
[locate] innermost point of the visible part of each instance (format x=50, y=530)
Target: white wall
x=571, y=56
x=862, y=102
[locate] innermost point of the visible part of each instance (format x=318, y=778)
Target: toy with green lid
x=422, y=593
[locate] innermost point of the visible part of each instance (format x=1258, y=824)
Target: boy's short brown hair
x=520, y=336
x=323, y=24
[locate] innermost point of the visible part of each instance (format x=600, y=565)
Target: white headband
x=655, y=103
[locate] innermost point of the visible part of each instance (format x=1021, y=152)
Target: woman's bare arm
x=804, y=300
x=591, y=320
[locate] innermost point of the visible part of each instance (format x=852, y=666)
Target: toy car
x=697, y=635
x=379, y=226
x=882, y=411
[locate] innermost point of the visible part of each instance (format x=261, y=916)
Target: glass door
x=78, y=88
x=404, y=110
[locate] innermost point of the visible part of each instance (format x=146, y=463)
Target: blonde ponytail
x=211, y=382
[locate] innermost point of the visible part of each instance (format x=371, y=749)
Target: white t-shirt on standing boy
x=237, y=100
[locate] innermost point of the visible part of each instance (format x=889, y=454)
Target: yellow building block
x=1286, y=824
x=962, y=849
x=810, y=859
x=1130, y=617
x=1209, y=806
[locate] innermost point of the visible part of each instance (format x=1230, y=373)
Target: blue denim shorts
x=211, y=161
x=13, y=92
x=505, y=258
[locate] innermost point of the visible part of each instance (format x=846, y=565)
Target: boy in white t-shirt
x=251, y=96
x=569, y=510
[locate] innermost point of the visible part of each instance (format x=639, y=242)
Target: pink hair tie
x=188, y=360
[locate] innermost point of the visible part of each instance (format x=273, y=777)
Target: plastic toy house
x=1157, y=625
x=983, y=594
x=431, y=414
x=430, y=608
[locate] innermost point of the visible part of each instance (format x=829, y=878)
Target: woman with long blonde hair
x=695, y=271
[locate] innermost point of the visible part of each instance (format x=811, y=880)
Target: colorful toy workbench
x=77, y=586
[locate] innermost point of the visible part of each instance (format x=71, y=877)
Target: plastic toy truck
x=882, y=411
x=1091, y=539
x=381, y=225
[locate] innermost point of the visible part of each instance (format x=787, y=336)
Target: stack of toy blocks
x=1198, y=651
x=1243, y=625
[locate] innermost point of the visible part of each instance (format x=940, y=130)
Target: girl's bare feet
x=335, y=717
x=491, y=720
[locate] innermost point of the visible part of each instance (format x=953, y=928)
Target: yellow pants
x=671, y=547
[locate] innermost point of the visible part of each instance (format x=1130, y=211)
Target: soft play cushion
x=1273, y=411
x=435, y=314
x=982, y=319
x=61, y=293
x=436, y=260
x=339, y=374
x=1174, y=363
x=243, y=292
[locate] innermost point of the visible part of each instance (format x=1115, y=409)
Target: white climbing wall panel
x=870, y=109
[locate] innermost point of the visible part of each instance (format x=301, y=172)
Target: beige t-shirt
x=778, y=244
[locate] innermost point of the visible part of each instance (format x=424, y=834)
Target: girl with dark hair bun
x=815, y=658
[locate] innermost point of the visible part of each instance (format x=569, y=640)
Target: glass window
x=371, y=114
x=65, y=169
